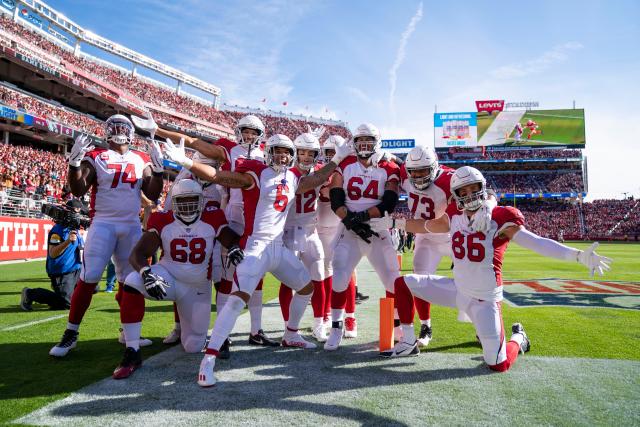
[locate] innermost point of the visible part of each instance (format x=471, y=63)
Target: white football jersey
x=115, y=195
x=305, y=212
x=267, y=201
x=187, y=250
x=477, y=257
x=234, y=152
x=364, y=186
x=432, y=202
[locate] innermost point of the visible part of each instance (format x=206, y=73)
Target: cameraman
x=63, y=266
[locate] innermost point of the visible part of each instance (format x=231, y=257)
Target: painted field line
x=33, y=322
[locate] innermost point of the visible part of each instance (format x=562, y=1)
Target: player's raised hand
x=154, y=284
x=81, y=146
x=176, y=153
x=148, y=125
x=594, y=262
x=343, y=150
x=157, y=158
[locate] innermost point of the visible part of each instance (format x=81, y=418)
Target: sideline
x=33, y=322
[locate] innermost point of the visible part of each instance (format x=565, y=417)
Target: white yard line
x=33, y=322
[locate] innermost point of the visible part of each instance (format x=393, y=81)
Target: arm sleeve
x=546, y=247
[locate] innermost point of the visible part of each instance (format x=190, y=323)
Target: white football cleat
x=350, y=327
x=319, y=333
x=402, y=349
x=335, y=336
x=294, y=339
x=206, y=378
x=67, y=342
x=173, y=337
x=425, y=335
x=144, y=342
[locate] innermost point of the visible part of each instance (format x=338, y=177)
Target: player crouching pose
x=268, y=191
x=476, y=287
x=187, y=235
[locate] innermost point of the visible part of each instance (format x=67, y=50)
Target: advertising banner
x=455, y=129
x=23, y=238
x=398, y=145
x=490, y=106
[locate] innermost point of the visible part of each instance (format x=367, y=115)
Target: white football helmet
x=119, y=129
x=307, y=141
x=273, y=160
x=422, y=158
x=330, y=144
x=187, y=200
x=462, y=177
x=251, y=122
x=365, y=149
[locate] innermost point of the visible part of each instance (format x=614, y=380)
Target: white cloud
x=400, y=55
x=555, y=55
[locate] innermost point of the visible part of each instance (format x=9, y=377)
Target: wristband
x=74, y=168
x=157, y=174
x=144, y=269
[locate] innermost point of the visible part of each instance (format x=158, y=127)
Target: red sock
x=351, y=295
x=403, y=301
x=328, y=286
x=317, y=299
x=259, y=287
x=285, y=296
x=131, y=307
x=176, y=316
x=80, y=301
x=513, y=349
x=423, y=308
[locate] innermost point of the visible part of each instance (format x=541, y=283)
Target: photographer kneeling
x=63, y=266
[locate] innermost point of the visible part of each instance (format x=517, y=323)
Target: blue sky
x=342, y=56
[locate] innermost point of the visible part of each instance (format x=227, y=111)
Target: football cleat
x=172, y=338
x=131, y=361
x=319, y=332
x=262, y=339
x=296, y=340
x=360, y=297
x=25, y=302
x=67, y=342
x=350, y=327
x=402, y=349
x=206, y=378
x=335, y=336
x=517, y=328
x=425, y=335
x=144, y=342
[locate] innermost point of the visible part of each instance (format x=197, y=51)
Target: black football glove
x=155, y=285
x=349, y=221
x=364, y=231
x=235, y=255
x=362, y=216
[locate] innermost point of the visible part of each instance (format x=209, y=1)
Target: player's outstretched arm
x=144, y=249
x=420, y=226
x=81, y=173
x=321, y=176
x=550, y=248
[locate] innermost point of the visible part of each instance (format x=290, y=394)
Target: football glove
x=81, y=146
x=157, y=158
x=594, y=262
x=235, y=255
x=349, y=221
x=148, y=125
x=342, y=152
x=177, y=153
x=155, y=285
x=481, y=220
x=364, y=231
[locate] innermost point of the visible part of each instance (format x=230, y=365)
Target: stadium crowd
x=457, y=154
x=535, y=183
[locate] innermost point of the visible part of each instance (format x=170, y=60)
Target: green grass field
x=559, y=127
x=31, y=379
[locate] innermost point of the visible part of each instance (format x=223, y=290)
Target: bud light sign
x=398, y=145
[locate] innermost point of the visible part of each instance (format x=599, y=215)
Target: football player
x=476, y=287
x=268, y=191
x=363, y=190
x=187, y=235
x=116, y=176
